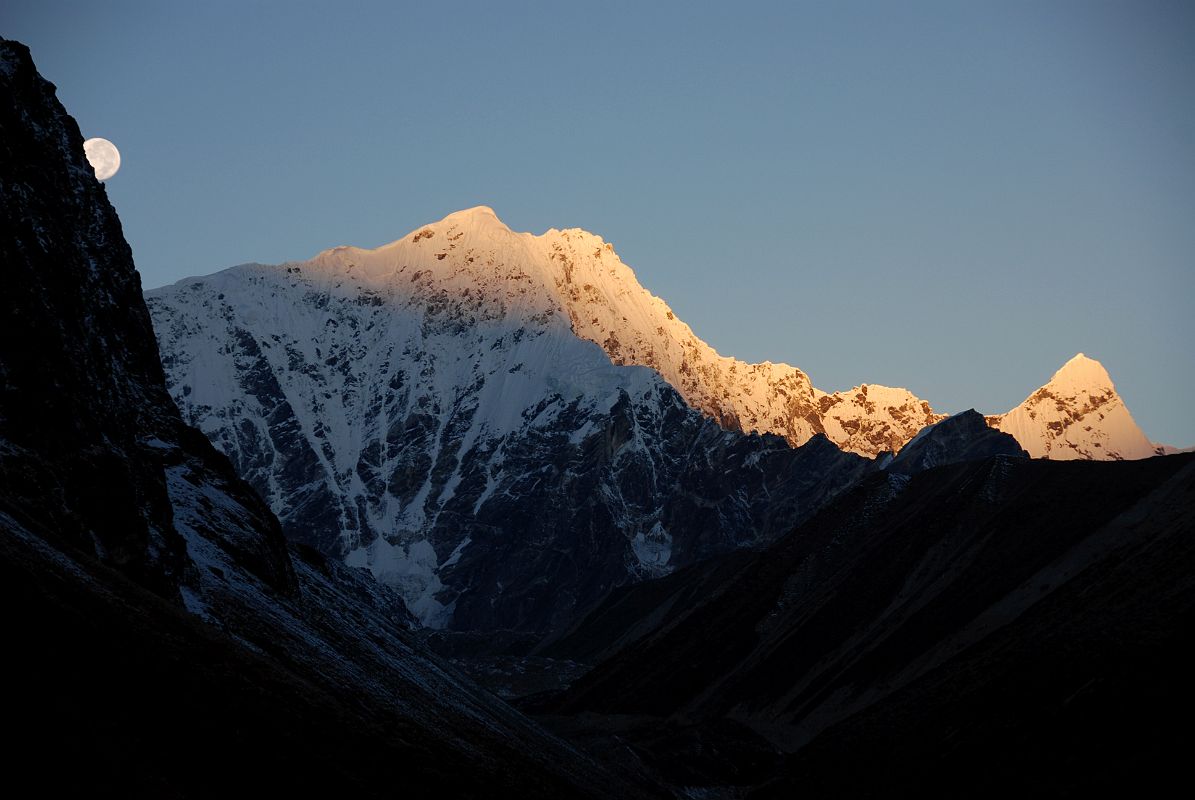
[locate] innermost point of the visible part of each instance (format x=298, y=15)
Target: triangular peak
x=1081, y=373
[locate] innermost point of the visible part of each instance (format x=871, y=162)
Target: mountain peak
x=473, y=211
x=1078, y=414
x=477, y=216
x=471, y=266
x=965, y=436
x=1081, y=374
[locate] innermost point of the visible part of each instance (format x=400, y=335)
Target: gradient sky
x=954, y=197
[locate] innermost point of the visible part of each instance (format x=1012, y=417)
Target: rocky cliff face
x=88, y=432
x=425, y=409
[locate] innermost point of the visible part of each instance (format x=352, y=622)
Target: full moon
x=103, y=157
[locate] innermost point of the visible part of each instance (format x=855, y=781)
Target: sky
x=952, y=197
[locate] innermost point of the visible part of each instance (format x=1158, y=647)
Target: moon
x=103, y=157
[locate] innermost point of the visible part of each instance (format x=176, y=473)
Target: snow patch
x=653, y=550
x=455, y=556
x=412, y=571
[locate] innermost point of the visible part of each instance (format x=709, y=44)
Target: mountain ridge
x=580, y=275
x=466, y=390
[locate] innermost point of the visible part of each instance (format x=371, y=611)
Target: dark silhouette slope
x=1029, y=622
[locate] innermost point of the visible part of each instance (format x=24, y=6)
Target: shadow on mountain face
x=115, y=691
x=999, y=626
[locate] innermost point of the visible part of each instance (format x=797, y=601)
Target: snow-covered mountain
x=1077, y=415
x=466, y=411
x=426, y=410
x=606, y=304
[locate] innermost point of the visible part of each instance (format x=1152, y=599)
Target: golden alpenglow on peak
x=574, y=278
x=1077, y=415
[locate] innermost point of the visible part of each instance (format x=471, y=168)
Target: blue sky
x=955, y=197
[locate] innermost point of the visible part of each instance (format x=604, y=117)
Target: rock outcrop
x=959, y=438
